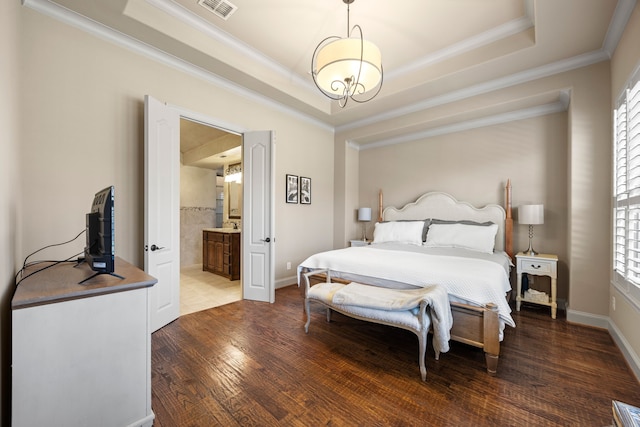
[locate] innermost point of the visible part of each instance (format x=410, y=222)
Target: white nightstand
x=538, y=265
x=355, y=243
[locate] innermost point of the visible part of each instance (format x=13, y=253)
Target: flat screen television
x=100, y=249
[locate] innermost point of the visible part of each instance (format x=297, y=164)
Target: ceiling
x=208, y=147
x=434, y=52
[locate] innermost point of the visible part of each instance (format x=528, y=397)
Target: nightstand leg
x=554, y=305
x=519, y=289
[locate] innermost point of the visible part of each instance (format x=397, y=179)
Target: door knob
x=267, y=240
x=155, y=248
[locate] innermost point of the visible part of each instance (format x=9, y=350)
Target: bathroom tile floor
x=201, y=290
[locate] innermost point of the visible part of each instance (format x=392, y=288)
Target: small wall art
x=292, y=189
x=305, y=190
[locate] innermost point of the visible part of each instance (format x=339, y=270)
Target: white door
x=258, y=231
x=162, y=209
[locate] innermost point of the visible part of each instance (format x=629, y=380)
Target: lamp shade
x=364, y=214
x=347, y=59
x=531, y=214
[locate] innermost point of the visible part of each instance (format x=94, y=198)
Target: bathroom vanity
x=221, y=252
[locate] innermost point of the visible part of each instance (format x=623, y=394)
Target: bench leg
x=422, y=344
x=308, y=311
x=306, y=308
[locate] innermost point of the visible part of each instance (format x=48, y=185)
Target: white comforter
x=476, y=281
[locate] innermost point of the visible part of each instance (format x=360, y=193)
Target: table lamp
x=364, y=215
x=531, y=215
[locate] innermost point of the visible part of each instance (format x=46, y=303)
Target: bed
x=457, y=247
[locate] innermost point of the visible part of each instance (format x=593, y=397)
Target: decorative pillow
x=452, y=221
x=458, y=235
x=399, y=231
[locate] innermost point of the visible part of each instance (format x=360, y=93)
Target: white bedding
x=469, y=276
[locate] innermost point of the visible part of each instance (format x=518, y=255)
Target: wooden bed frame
x=472, y=325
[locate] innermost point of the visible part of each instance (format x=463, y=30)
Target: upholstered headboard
x=444, y=206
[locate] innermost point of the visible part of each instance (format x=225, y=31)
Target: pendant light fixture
x=350, y=67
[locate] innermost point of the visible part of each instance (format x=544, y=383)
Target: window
x=626, y=186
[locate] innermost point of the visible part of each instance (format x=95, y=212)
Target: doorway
x=209, y=156
x=162, y=210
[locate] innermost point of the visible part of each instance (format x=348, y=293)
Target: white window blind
x=626, y=182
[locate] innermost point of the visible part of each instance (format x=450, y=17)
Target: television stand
x=81, y=355
x=99, y=273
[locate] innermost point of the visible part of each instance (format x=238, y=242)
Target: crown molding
x=617, y=25
x=108, y=34
x=353, y=145
x=614, y=33
x=201, y=24
x=491, y=120
x=498, y=33
x=482, y=88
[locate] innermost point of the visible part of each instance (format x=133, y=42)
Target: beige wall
x=589, y=193
x=197, y=211
x=81, y=99
x=84, y=96
x=562, y=160
x=197, y=186
x=474, y=166
x=626, y=317
x=9, y=186
x=81, y=96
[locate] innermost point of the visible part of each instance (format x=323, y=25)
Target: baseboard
x=588, y=319
x=144, y=422
x=627, y=351
x=605, y=322
x=287, y=281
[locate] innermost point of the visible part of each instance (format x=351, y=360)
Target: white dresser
x=81, y=354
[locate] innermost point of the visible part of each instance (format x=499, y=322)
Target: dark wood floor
x=251, y=364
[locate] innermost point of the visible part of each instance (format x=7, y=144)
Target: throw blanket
x=406, y=299
x=475, y=281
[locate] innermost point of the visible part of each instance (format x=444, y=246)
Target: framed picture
x=305, y=190
x=292, y=189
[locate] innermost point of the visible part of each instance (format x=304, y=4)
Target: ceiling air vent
x=221, y=8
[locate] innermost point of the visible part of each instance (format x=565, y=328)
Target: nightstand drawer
x=543, y=265
x=536, y=267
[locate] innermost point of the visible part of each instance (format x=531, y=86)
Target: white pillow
x=409, y=232
x=474, y=237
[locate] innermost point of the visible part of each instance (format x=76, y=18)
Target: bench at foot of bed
x=472, y=325
x=415, y=320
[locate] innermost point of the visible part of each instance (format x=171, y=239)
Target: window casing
x=626, y=187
